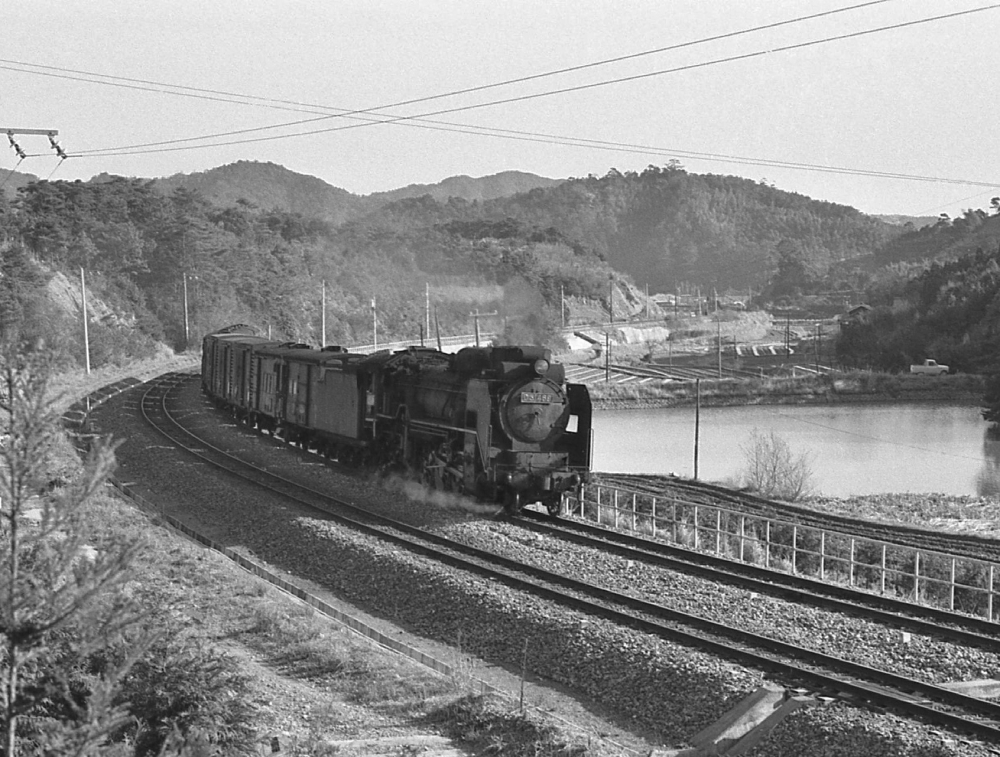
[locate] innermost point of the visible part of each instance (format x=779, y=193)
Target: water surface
x=854, y=449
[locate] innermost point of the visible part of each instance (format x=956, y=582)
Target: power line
x=422, y=121
x=223, y=96
x=389, y=119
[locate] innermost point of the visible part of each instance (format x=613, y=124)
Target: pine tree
x=60, y=598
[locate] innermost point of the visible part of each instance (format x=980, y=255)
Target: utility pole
x=562, y=305
x=184, y=276
x=476, y=316
x=322, y=319
x=611, y=299
x=86, y=334
x=427, y=308
x=697, y=423
x=718, y=325
x=10, y=131
x=607, y=356
x=817, y=348
x=374, y=326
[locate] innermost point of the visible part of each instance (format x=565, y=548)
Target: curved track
x=795, y=665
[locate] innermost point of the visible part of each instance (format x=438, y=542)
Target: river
x=852, y=448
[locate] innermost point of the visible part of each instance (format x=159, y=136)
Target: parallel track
x=794, y=665
x=922, y=619
x=694, y=492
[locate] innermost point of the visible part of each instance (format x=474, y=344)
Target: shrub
x=772, y=470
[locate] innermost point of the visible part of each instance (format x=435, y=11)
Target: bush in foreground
x=773, y=470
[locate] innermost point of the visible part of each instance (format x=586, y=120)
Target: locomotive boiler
x=499, y=423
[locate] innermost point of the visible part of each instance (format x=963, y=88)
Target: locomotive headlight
x=541, y=366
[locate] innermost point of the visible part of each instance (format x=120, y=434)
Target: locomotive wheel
x=512, y=501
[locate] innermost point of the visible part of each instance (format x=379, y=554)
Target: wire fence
x=925, y=577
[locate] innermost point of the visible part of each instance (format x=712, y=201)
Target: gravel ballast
x=657, y=689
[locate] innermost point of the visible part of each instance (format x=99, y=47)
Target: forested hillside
x=269, y=186
x=948, y=309
x=243, y=263
x=261, y=251
x=666, y=226
x=947, y=238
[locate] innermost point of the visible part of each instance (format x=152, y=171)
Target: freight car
x=499, y=423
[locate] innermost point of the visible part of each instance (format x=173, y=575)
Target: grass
x=213, y=600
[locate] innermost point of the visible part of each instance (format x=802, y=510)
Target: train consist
x=499, y=423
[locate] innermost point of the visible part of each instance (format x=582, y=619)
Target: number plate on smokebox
x=537, y=398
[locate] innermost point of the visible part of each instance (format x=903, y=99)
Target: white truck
x=929, y=367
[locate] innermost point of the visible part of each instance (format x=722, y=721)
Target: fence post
x=822, y=555
x=767, y=544
x=916, y=579
x=883, y=568
x=598, y=504
x=989, y=602
x=795, y=549
x=851, y=574
x=743, y=533
x=654, y=517
x=673, y=519
x=696, y=528
x=951, y=598
x=633, y=512
x=718, y=532
x=615, y=506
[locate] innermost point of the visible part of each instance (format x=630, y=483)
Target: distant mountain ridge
x=271, y=186
x=502, y=184
x=900, y=220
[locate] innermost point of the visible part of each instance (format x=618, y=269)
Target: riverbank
x=833, y=388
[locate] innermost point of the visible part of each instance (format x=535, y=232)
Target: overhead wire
x=390, y=119
x=423, y=120
x=223, y=96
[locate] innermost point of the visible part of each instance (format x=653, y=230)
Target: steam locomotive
x=499, y=423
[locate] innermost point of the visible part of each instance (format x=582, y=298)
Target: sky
x=890, y=121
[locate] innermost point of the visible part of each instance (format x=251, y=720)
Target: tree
x=791, y=275
x=772, y=470
x=60, y=599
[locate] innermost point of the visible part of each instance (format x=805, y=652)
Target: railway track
x=923, y=619
x=694, y=492
x=794, y=665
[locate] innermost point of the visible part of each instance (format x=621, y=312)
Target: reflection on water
x=855, y=449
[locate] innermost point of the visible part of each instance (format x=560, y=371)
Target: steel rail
x=869, y=685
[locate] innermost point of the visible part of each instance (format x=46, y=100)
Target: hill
x=269, y=187
x=667, y=227
x=918, y=222
x=484, y=188
x=946, y=239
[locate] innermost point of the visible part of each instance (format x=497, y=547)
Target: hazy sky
x=917, y=100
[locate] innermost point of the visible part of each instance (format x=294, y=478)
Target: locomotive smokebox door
x=534, y=411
